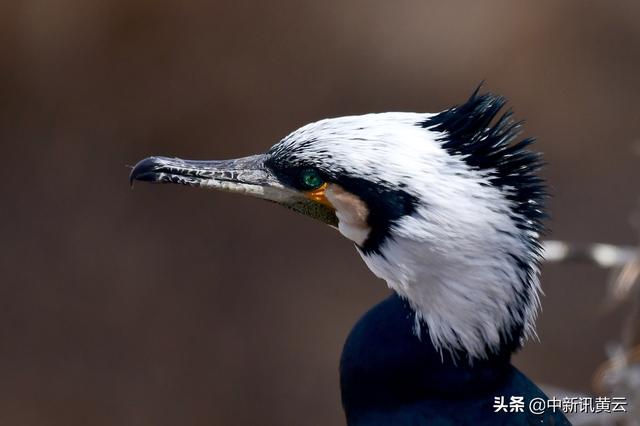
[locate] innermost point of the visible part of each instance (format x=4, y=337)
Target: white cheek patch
x=351, y=211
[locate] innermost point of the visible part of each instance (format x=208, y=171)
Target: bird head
x=445, y=207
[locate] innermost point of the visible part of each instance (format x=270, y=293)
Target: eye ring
x=310, y=179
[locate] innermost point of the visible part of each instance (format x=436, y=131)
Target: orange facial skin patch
x=318, y=195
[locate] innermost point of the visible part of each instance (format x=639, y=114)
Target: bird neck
x=471, y=294
x=384, y=363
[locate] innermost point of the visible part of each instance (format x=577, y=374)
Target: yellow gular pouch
x=351, y=211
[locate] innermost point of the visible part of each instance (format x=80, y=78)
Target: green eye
x=311, y=179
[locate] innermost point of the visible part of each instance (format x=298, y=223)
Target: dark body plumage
x=390, y=376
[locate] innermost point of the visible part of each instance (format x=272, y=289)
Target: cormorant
x=447, y=208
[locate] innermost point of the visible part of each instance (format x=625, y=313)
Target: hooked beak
x=248, y=176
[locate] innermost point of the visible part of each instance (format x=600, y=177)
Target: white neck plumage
x=471, y=293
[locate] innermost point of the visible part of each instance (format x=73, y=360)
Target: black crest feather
x=485, y=141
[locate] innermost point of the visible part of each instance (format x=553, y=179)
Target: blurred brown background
x=166, y=305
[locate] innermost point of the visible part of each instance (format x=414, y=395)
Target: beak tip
x=145, y=170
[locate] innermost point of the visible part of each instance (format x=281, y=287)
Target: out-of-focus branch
x=620, y=374
x=603, y=255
